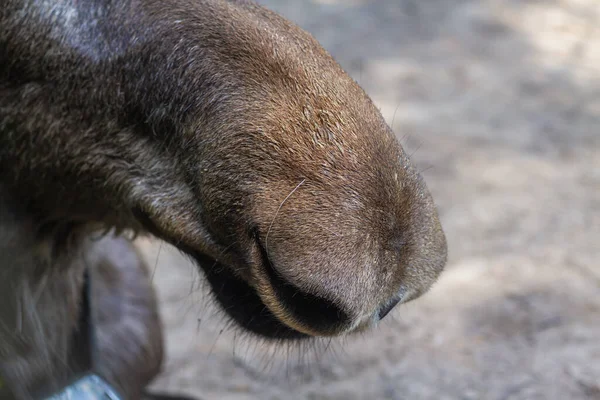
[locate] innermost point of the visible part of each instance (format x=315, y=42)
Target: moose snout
x=326, y=280
x=303, y=278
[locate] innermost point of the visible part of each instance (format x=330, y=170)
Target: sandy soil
x=499, y=104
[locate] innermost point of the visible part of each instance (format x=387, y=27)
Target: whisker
x=417, y=149
x=277, y=212
x=156, y=262
x=426, y=169
x=212, y=347
x=394, y=117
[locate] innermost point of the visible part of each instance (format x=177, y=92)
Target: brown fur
x=215, y=125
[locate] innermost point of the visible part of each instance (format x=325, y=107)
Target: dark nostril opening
x=309, y=309
x=385, y=310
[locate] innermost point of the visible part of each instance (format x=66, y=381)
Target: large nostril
x=385, y=310
x=309, y=309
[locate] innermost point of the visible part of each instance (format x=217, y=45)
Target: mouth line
x=241, y=302
x=237, y=299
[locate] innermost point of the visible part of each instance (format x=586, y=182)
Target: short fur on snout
x=225, y=130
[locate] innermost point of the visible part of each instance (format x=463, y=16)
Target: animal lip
x=242, y=303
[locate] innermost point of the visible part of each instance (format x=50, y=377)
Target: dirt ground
x=498, y=102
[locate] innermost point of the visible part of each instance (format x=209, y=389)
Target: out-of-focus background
x=498, y=101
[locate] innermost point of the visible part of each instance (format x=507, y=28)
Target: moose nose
x=385, y=310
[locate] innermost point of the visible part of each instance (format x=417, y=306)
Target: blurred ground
x=499, y=103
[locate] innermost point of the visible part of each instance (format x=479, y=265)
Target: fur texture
x=221, y=128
